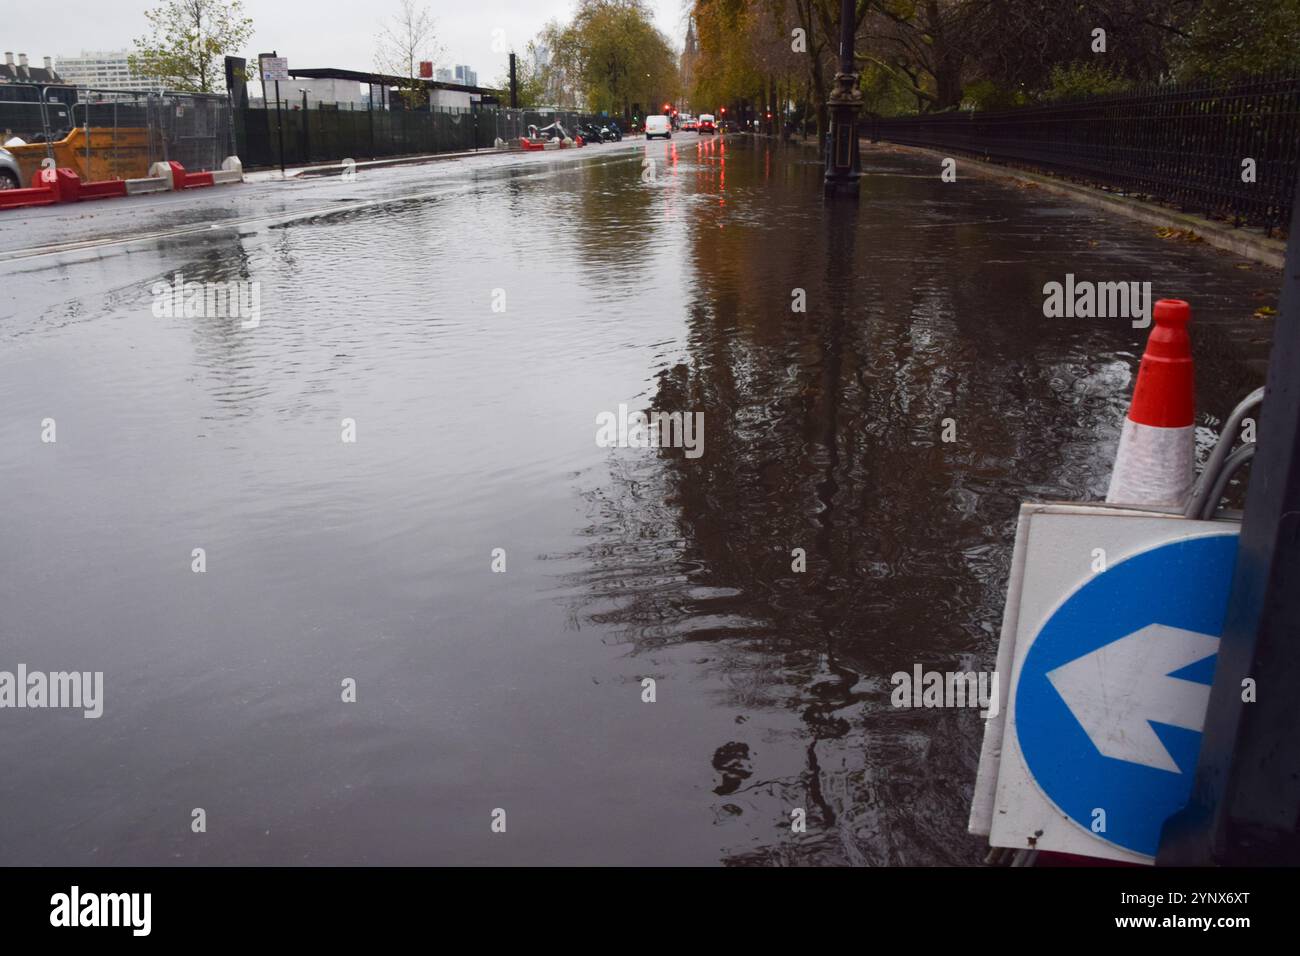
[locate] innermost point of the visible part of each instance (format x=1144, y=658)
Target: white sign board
x=1110, y=633
x=275, y=69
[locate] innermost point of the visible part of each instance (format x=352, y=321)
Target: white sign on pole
x=1110, y=633
x=275, y=69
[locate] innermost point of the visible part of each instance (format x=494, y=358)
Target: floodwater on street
x=472, y=322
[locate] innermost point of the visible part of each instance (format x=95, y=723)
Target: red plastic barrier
x=64, y=185
x=52, y=186
x=103, y=189
x=183, y=180
x=67, y=184
x=57, y=186
x=16, y=198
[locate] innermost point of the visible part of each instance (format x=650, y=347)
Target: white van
x=658, y=126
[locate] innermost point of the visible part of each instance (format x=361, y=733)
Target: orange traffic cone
x=1156, y=461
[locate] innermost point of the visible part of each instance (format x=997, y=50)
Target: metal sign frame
x=274, y=69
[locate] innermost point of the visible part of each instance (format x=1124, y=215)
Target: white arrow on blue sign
x=1112, y=695
x=1137, y=691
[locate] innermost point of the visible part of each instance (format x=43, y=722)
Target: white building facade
x=104, y=69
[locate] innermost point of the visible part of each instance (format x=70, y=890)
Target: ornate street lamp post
x=843, y=165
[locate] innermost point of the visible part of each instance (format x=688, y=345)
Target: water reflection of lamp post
x=843, y=164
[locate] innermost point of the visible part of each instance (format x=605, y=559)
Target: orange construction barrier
x=113, y=154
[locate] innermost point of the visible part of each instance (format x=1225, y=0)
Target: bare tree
x=406, y=39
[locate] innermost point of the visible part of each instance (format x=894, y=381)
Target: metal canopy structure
x=389, y=81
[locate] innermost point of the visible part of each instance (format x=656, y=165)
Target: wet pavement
x=475, y=430
x=262, y=202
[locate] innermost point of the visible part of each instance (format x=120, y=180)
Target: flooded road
x=472, y=323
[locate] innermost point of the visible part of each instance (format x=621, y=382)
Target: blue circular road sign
x=1111, y=699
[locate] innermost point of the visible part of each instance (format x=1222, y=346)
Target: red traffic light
x=723, y=110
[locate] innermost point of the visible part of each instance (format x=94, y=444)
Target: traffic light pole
x=1245, y=801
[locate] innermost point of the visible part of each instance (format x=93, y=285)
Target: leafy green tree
x=188, y=41
x=1072, y=81
x=1229, y=38
x=614, y=55
x=563, y=85
x=1023, y=46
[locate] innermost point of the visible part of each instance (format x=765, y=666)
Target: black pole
x=1246, y=795
x=306, y=133
x=279, y=120
x=279, y=126
x=514, y=85
x=843, y=165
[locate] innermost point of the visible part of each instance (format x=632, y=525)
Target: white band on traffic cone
x=1154, y=466
x=1156, y=461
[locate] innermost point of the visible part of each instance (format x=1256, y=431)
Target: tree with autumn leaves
x=935, y=55
x=610, y=57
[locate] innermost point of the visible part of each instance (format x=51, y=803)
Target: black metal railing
x=1183, y=144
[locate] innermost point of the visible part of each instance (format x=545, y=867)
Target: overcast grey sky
x=311, y=33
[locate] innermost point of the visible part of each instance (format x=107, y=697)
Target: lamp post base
x=843, y=162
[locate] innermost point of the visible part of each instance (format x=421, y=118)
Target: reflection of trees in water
x=822, y=432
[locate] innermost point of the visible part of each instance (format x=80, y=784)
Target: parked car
x=707, y=124
x=11, y=177
x=658, y=126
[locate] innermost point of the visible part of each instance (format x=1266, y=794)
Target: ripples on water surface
x=476, y=431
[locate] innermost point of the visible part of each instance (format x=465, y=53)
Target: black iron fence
x=326, y=135
x=1185, y=144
